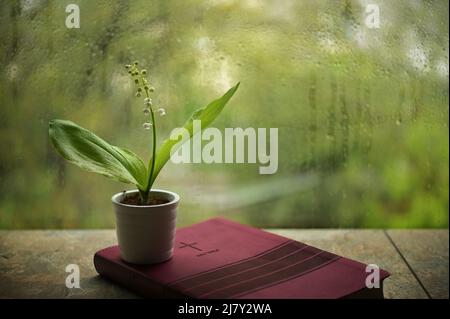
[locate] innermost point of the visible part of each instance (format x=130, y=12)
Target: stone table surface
x=33, y=262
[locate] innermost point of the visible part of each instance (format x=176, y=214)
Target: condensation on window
x=357, y=89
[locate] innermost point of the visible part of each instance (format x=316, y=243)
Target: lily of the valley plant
x=88, y=151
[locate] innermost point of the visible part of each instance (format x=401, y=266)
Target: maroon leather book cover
x=219, y=258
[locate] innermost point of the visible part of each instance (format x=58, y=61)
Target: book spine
x=132, y=280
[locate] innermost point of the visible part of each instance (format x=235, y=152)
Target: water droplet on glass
x=147, y=126
x=161, y=111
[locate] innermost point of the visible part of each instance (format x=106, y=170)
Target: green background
x=362, y=113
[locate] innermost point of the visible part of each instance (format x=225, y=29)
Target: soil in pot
x=135, y=200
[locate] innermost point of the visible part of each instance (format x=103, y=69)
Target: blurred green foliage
x=362, y=113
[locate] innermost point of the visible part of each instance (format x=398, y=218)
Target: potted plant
x=145, y=217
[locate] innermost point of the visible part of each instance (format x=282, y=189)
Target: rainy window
x=357, y=89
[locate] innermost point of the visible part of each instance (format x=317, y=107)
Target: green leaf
x=86, y=150
x=206, y=114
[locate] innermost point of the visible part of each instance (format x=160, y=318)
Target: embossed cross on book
x=193, y=246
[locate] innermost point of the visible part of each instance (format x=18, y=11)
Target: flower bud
x=161, y=111
x=148, y=102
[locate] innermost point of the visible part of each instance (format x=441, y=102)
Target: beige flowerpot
x=146, y=233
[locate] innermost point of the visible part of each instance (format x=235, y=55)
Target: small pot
x=146, y=233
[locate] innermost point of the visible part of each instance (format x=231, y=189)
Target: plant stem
x=153, y=159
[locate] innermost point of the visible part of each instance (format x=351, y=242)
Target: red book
x=223, y=259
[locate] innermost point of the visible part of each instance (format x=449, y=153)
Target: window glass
x=359, y=95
